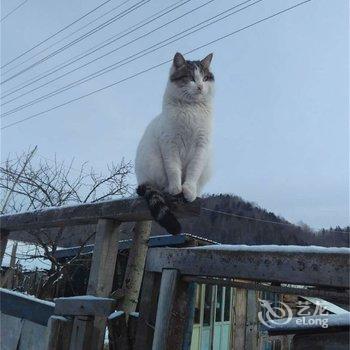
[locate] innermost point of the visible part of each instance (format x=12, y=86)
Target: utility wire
x=82, y=37
x=133, y=57
x=248, y=217
x=59, y=66
x=67, y=36
x=15, y=9
x=106, y=54
x=104, y=45
x=53, y=35
x=157, y=65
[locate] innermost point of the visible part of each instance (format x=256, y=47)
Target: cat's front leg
x=193, y=172
x=172, y=166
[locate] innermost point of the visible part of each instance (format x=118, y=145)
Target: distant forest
x=236, y=230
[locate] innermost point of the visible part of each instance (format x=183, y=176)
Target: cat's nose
x=200, y=87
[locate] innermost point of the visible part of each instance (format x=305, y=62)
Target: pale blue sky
x=281, y=106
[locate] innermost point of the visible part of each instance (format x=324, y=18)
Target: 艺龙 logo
x=277, y=314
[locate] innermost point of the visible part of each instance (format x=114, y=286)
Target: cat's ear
x=179, y=60
x=206, y=61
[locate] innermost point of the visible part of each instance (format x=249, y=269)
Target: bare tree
x=30, y=182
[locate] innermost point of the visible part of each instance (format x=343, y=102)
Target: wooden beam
x=301, y=265
x=84, y=305
x=135, y=267
x=119, y=210
x=165, y=304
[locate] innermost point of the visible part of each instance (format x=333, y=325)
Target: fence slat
x=165, y=305
x=59, y=333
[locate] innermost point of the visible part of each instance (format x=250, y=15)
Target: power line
x=157, y=65
x=67, y=36
x=15, y=9
x=248, y=217
x=59, y=66
x=104, y=45
x=133, y=57
x=51, y=36
x=82, y=37
x=265, y=221
x=106, y=54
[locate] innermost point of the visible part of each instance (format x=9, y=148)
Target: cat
x=173, y=155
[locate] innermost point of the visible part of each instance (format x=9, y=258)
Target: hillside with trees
x=247, y=223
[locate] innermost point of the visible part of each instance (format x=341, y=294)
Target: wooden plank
x=165, y=304
x=33, y=336
x=326, y=341
x=82, y=333
x=119, y=210
x=117, y=331
x=22, y=306
x=135, y=267
x=104, y=258
x=3, y=243
x=251, y=336
x=59, y=333
x=322, y=267
x=132, y=328
x=182, y=315
x=102, y=269
x=10, y=331
x=84, y=306
x=240, y=317
x=148, y=309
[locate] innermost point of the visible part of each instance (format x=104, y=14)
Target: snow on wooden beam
x=316, y=266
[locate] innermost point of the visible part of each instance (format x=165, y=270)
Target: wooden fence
x=167, y=297
x=107, y=216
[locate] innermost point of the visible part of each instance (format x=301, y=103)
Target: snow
x=276, y=248
x=85, y=297
x=115, y=314
x=27, y=296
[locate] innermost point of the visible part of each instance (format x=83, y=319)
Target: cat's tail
x=159, y=209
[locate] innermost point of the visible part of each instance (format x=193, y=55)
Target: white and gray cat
x=173, y=155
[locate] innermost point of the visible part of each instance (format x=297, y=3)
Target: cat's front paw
x=174, y=189
x=189, y=191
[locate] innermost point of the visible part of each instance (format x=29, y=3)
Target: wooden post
x=182, y=315
x=240, y=316
x=117, y=331
x=3, y=244
x=135, y=267
x=148, y=309
x=59, y=333
x=102, y=270
x=82, y=334
x=132, y=328
x=251, y=336
x=165, y=305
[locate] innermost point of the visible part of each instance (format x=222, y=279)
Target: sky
x=281, y=121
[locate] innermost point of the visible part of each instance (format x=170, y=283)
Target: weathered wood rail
x=170, y=272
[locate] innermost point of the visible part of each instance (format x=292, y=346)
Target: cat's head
x=191, y=81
